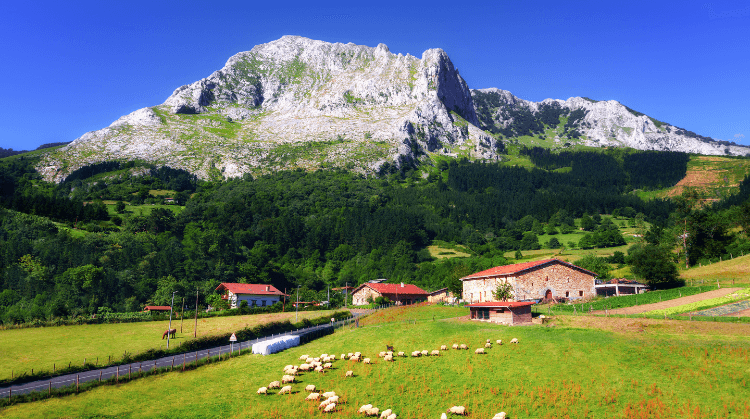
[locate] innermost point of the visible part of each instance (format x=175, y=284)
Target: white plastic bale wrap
x=272, y=346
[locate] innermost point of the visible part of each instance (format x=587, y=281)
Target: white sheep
x=358, y=354
x=499, y=341
x=500, y=415
x=389, y=353
x=305, y=367
x=487, y=345
x=287, y=379
x=355, y=359
x=327, y=365
x=304, y=357
x=443, y=347
x=343, y=356
x=323, y=355
x=463, y=346
x=416, y=354
x=392, y=416
x=457, y=410
x=286, y=390
x=385, y=413
x=333, y=399
x=349, y=355
x=323, y=404
x=328, y=394
x=366, y=361
x=310, y=388
x=313, y=397
x=349, y=374
x=388, y=358
x=489, y=341
x=381, y=354
x=401, y=354
x=319, y=369
x=289, y=367
x=274, y=384
x=364, y=408
x=514, y=340
x=443, y=416
x=435, y=353
x=263, y=390
x=373, y=411
x=479, y=351
x=316, y=359
x=309, y=360
x=455, y=346
x=330, y=408
x=425, y=352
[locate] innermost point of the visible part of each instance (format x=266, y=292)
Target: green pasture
x=555, y=372
x=705, y=304
x=45, y=348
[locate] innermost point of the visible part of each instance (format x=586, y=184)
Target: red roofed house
x=543, y=279
x=509, y=313
x=256, y=295
x=398, y=293
x=157, y=308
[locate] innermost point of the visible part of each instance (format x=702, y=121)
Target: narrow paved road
x=169, y=362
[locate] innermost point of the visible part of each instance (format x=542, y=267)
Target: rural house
x=256, y=295
x=510, y=313
x=539, y=280
x=440, y=296
x=397, y=293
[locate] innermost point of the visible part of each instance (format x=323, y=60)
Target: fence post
x=118, y=375
x=77, y=379
x=49, y=389
x=100, y=376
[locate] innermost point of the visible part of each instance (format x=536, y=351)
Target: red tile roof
x=394, y=288
x=257, y=289
x=520, y=267
x=509, y=304
x=157, y=308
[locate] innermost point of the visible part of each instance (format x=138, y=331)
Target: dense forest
x=64, y=253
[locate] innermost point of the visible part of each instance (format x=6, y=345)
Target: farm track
x=672, y=303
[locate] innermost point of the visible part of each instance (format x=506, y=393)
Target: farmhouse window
x=567, y=294
x=483, y=313
x=580, y=293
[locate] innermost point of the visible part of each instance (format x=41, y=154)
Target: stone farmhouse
x=531, y=281
x=440, y=296
x=398, y=293
x=256, y=295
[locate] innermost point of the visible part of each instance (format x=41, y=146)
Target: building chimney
x=268, y=288
x=402, y=285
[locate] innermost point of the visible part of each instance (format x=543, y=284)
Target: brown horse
x=170, y=332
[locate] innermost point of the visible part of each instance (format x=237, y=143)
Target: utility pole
x=169, y=329
x=195, y=329
x=182, y=314
x=346, y=293
x=684, y=245
x=283, y=305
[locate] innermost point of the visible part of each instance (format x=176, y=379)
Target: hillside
x=301, y=103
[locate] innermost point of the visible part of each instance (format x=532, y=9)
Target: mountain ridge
x=297, y=102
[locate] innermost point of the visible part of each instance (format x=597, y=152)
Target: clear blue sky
x=72, y=67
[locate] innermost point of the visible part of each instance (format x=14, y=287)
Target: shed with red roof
x=397, y=293
x=256, y=295
x=550, y=279
x=510, y=313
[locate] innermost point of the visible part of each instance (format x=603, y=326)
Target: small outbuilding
x=157, y=308
x=620, y=286
x=503, y=312
x=440, y=296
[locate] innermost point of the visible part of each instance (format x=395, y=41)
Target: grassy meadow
x=40, y=348
x=555, y=372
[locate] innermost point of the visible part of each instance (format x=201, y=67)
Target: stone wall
x=561, y=280
x=359, y=297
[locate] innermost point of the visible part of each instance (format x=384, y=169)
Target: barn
x=531, y=281
x=504, y=312
x=397, y=293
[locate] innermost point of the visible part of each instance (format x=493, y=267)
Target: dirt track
x=672, y=303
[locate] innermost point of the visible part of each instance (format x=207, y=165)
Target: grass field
x=705, y=304
x=736, y=270
x=555, y=372
x=40, y=348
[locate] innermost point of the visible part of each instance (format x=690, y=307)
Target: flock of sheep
x=329, y=400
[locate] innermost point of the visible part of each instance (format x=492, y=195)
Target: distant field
x=734, y=271
x=441, y=252
x=662, y=371
x=39, y=348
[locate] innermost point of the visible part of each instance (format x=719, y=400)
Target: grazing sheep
x=358, y=354
x=327, y=365
x=287, y=379
x=333, y=399
x=381, y=354
x=514, y=340
x=349, y=374
x=401, y=354
x=416, y=354
x=286, y=390
x=457, y=410
x=330, y=408
x=323, y=355
x=289, y=367
x=385, y=413
x=388, y=358
x=366, y=361
x=364, y=408
x=389, y=353
x=499, y=341
x=263, y=390
x=316, y=359
x=309, y=360
x=489, y=341
x=373, y=411
x=323, y=404
x=328, y=394
x=392, y=416
x=435, y=353
x=332, y=357
x=313, y=397
x=319, y=369
x=349, y=355
x=443, y=347
x=274, y=384
x=463, y=346
x=355, y=359
x=310, y=388
x=443, y=416
x=425, y=352
x=479, y=351
x=455, y=346
x=304, y=357
x=488, y=345
x=305, y=367
x=500, y=415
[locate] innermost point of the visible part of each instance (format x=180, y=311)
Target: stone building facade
x=440, y=296
x=397, y=293
x=531, y=281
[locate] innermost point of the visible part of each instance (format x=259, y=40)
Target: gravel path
x=672, y=303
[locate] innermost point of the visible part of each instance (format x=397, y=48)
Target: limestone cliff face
x=302, y=103
x=596, y=123
x=297, y=102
